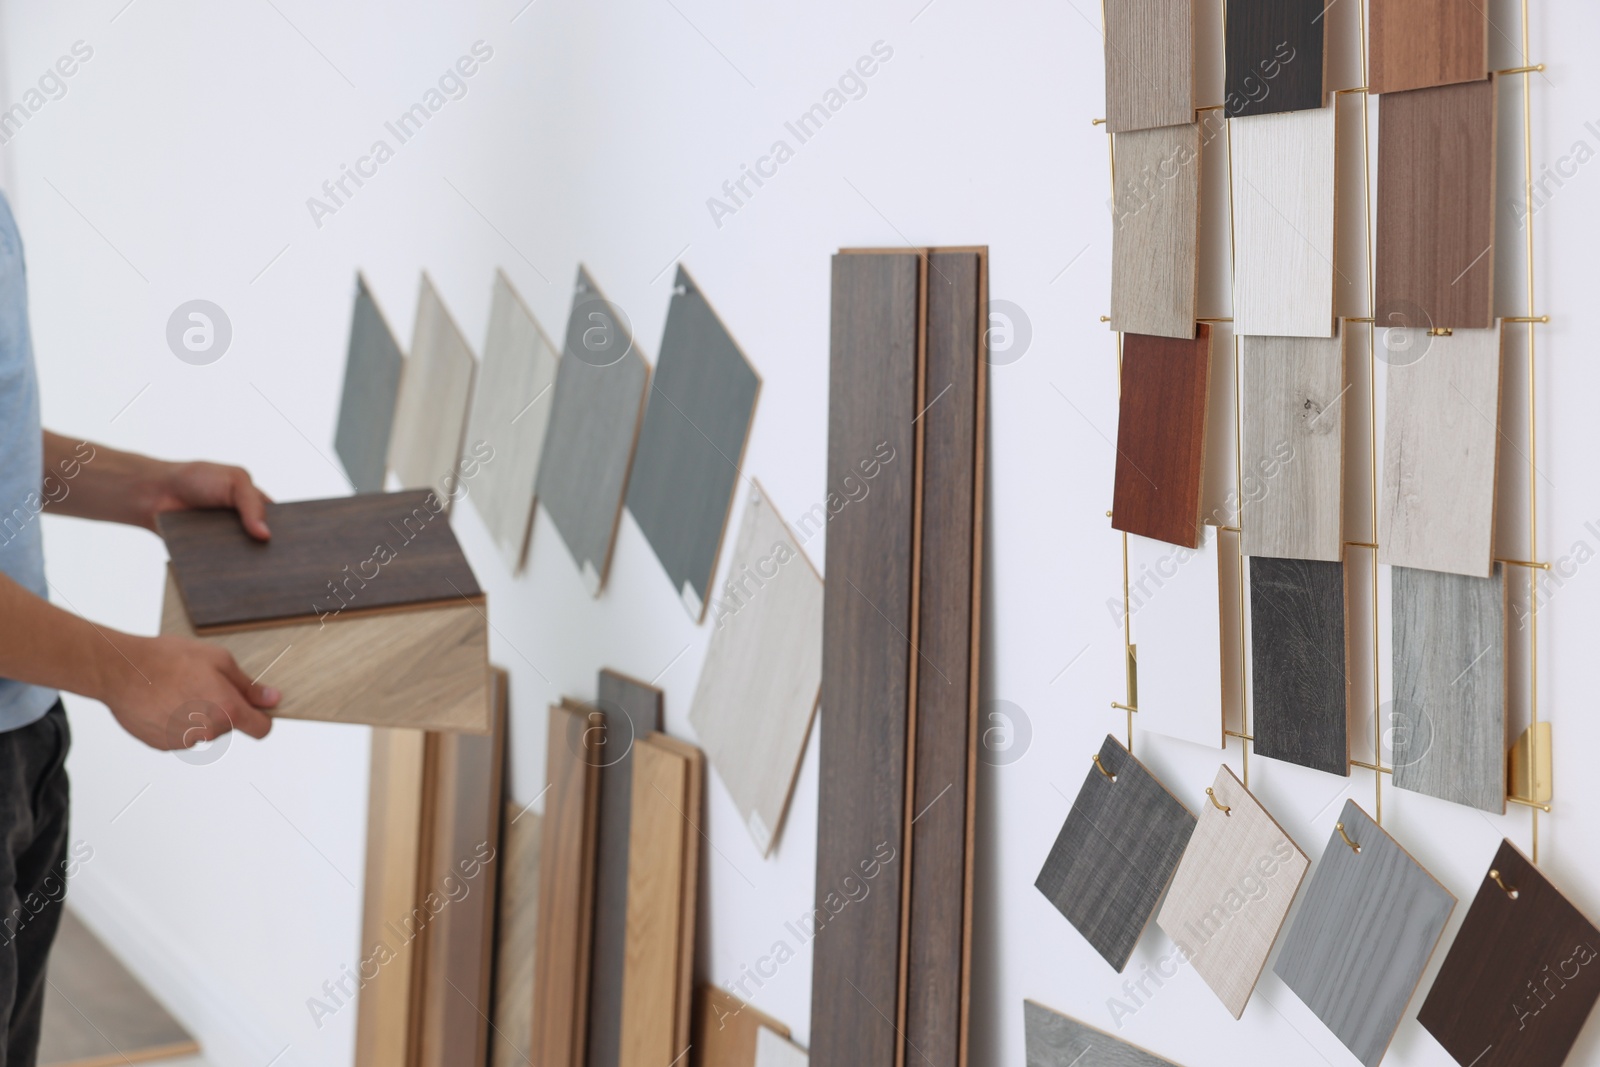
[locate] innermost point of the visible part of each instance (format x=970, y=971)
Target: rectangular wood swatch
x=1275, y=56
x=1283, y=235
x=1232, y=891
x=430, y=415
x=726, y=1029
x=1449, y=641
x=1155, y=231
x=1161, y=437
x=776, y=1050
x=1299, y=670
x=516, y=933
x=372, y=372
x=594, y=421
x=1116, y=853
x=757, y=695
x=686, y=468
x=1056, y=1040
x=1420, y=43
x=1363, y=935
x=1436, y=206
x=1175, y=598
x=510, y=413
x=1522, y=975
x=1294, y=425
x=1441, y=450
x=1149, y=63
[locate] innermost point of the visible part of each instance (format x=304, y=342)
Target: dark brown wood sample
x=1418, y=43
x=1299, y=679
x=1161, y=437
x=1522, y=975
x=1436, y=182
x=1275, y=56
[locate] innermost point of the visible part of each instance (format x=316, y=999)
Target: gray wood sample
x=430, y=416
x=371, y=385
x=594, y=423
x=686, y=468
x=1056, y=1040
x=1155, y=231
x=1299, y=678
x=1149, y=63
x=1115, y=854
x=1449, y=676
x=1366, y=927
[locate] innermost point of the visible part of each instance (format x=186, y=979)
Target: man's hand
x=212, y=485
x=172, y=692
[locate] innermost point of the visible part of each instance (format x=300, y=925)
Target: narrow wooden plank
x=1155, y=232
x=430, y=414
x=372, y=370
x=1363, y=935
x=1175, y=596
x=1420, y=43
x=516, y=933
x=1149, y=63
x=1441, y=451
x=1299, y=663
x=726, y=1029
x=1450, y=696
x=1056, y=1040
x=1275, y=56
x=775, y=1050
x=1161, y=437
x=1436, y=208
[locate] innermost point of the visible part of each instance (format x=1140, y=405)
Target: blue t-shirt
x=21, y=460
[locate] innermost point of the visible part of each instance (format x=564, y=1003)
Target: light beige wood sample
x=1441, y=444
x=1175, y=599
x=516, y=926
x=726, y=1028
x=1149, y=63
x=775, y=1050
x=1155, y=231
x=431, y=412
x=1232, y=891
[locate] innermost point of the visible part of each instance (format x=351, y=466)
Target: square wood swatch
x=1275, y=56
x=1299, y=676
x=594, y=421
x=1056, y=1040
x=1363, y=935
x=1449, y=641
x=1116, y=853
x=430, y=415
x=1441, y=448
x=372, y=372
x=1283, y=236
x=1155, y=230
x=685, y=471
x=1175, y=597
x=726, y=1029
x=1294, y=425
x=1436, y=208
x=757, y=694
x=1232, y=891
x=1149, y=63
x=1534, y=954
x=776, y=1050
x=516, y=931
x=1419, y=43
x=1161, y=437
x=510, y=413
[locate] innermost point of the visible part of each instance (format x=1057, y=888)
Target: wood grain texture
x=430, y=415
x=776, y=1050
x=1116, y=853
x=516, y=933
x=1175, y=595
x=1056, y=1040
x=1420, y=43
x=1275, y=56
x=1155, y=231
x=685, y=471
x=1293, y=425
x=1536, y=955
x=1283, y=234
x=1161, y=437
x=757, y=694
x=1149, y=63
x=597, y=404
x=372, y=371
x=726, y=1029
x=1436, y=210
x=1441, y=449
x=1363, y=935
x=1450, y=696
x=1232, y=891
x=510, y=413
x=1299, y=663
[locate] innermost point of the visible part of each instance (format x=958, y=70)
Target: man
x=143, y=680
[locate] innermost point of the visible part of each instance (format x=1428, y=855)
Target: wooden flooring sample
x=1294, y=408
x=1161, y=437
x=1275, y=56
x=1436, y=210
x=430, y=416
x=1299, y=678
x=1149, y=63
x=594, y=421
x=1232, y=891
x=686, y=468
x=1535, y=953
x=628, y=710
x=1420, y=43
x=726, y=1029
x=1363, y=935
x=510, y=413
x=1449, y=672
x=1283, y=247
x=1056, y=1040
x=516, y=932
x=1155, y=231
x=1175, y=595
x=1441, y=448
x=757, y=694
x=1116, y=853
x=776, y=1050
x=372, y=373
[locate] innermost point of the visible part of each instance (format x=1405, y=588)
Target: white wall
x=178, y=165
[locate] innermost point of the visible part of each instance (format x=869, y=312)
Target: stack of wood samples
x=899, y=659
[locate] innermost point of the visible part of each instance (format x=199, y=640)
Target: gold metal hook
x=1441, y=331
x=1224, y=808
x=1101, y=767
x=1510, y=890
x=1339, y=826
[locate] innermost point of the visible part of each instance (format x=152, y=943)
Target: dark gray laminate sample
x=1274, y=56
x=1298, y=678
x=1056, y=1040
x=371, y=386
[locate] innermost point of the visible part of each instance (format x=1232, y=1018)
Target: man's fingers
x=251, y=504
x=261, y=696
x=249, y=720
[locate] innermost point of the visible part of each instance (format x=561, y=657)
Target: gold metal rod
x=1226, y=809
x=1210, y=107
x=1101, y=767
x=1526, y=318
x=1240, y=736
x=1339, y=826
x=1356, y=89
x=1214, y=320
x=1372, y=408
x=1523, y=563
x=1525, y=70
x=1509, y=890
x=1372, y=767
x=1097, y=122
x=1362, y=544
x=1356, y=318
x=1534, y=804
x=1123, y=707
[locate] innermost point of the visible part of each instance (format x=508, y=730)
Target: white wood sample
x=1155, y=231
x=774, y=1050
x=1175, y=601
x=431, y=413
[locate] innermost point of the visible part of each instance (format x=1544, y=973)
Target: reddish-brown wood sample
x=1161, y=437
x=1419, y=43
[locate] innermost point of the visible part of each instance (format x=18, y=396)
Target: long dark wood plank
x=1161, y=437
x=1299, y=680
x=1274, y=56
